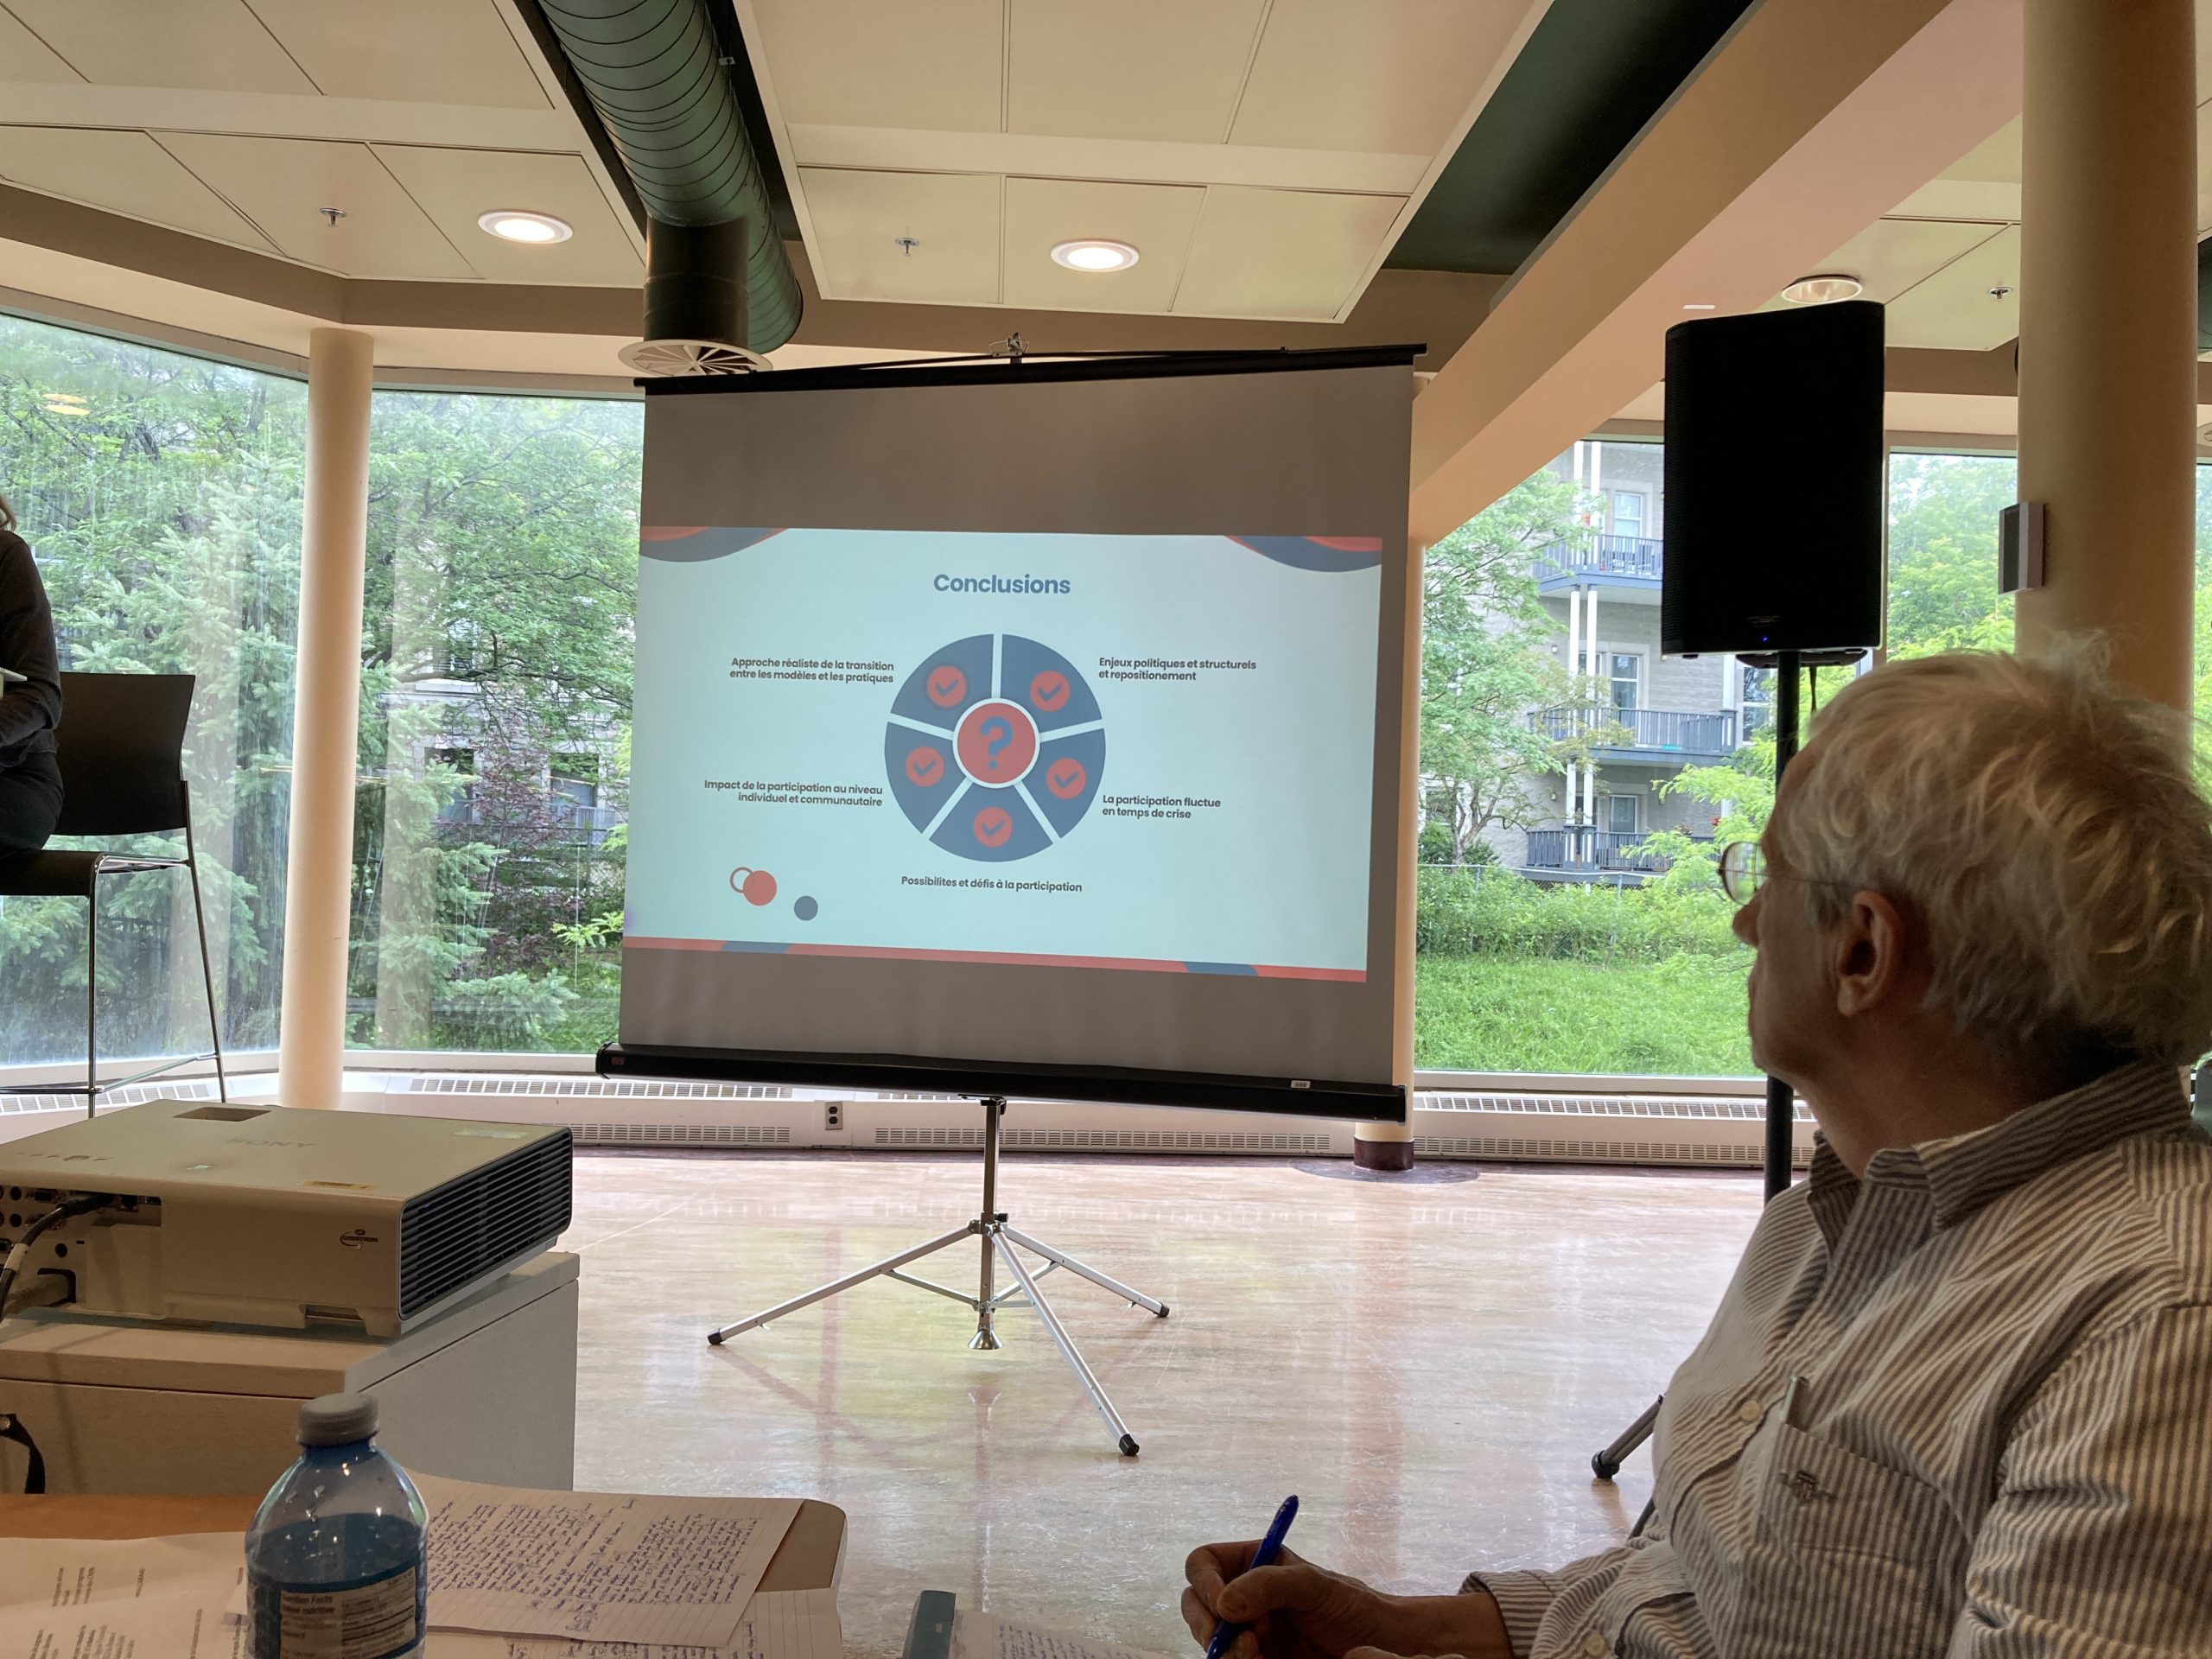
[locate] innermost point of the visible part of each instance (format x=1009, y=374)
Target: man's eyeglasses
x=1743, y=868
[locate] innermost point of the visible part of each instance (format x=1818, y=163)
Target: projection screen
x=1028, y=727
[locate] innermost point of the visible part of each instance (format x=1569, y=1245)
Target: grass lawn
x=1683, y=1017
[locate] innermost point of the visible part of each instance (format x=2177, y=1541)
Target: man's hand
x=1295, y=1609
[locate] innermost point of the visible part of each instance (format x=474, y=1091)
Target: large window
x=495, y=722
x=161, y=495
x=1552, y=940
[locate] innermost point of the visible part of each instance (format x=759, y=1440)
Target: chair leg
x=206, y=963
x=91, y=1001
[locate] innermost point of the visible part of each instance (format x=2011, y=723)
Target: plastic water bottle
x=335, y=1563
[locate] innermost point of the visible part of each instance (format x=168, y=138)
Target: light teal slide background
x=1277, y=876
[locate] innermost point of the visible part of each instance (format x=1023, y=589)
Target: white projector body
x=270, y=1216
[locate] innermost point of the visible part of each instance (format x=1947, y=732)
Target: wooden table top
x=809, y=1559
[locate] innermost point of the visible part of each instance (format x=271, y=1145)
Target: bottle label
x=375, y=1618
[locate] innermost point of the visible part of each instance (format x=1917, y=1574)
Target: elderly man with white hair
x=1958, y=1398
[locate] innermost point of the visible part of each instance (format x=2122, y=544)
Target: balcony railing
x=1646, y=731
x=1594, y=553
x=1585, y=849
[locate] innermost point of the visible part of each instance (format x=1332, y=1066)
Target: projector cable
x=69, y=1209
x=11, y=1427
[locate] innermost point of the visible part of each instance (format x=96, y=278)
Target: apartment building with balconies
x=1659, y=715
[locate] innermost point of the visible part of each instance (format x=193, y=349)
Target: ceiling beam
x=1808, y=122
x=287, y=115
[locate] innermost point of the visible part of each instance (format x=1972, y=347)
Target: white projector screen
x=1025, y=727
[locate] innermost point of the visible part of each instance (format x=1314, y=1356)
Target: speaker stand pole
x=998, y=1239
x=1781, y=1100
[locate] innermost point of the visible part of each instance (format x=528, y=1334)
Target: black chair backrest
x=121, y=747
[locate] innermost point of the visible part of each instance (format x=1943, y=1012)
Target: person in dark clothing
x=30, y=707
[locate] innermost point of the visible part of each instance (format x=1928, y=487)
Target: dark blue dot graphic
x=805, y=909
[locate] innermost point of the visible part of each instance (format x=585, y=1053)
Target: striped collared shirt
x=1961, y=1406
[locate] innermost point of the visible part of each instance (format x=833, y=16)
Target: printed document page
x=596, y=1566
x=130, y=1598
x=980, y=1635
x=777, y=1625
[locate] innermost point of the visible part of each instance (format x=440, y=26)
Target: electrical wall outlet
x=833, y=1114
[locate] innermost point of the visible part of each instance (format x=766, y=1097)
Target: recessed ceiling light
x=1700, y=305
x=512, y=225
x=1094, y=255
x=1824, y=289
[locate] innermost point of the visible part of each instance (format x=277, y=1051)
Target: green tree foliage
x=1487, y=663
x=162, y=495
x=1943, y=554
x=496, y=660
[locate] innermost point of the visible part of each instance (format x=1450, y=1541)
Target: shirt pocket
x=1818, y=1497
x=1842, y=1556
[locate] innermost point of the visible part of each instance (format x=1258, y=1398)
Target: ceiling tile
x=455, y=186
x=409, y=51
x=214, y=45
x=24, y=57
x=1288, y=254
x=1153, y=219
x=1394, y=76
x=1953, y=311
x=1150, y=69
x=123, y=173
x=883, y=63
x=1891, y=255
x=282, y=184
x=858, y=218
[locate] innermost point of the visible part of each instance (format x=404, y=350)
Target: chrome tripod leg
x=1125, y=1441
x=845, y=1283
x=1061, y=1259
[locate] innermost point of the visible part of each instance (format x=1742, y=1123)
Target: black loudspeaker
x=1774, y=481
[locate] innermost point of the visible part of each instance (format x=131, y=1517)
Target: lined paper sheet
x=777, y=1625
x=981, y=1635
x=596, y=1567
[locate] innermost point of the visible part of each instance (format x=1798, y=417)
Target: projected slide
x=1151, y=753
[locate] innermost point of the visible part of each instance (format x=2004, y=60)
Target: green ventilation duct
x=716, y=275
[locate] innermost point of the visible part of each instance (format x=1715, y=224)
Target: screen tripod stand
x=999, y=1239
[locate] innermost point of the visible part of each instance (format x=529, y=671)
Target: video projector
x=272, y=1215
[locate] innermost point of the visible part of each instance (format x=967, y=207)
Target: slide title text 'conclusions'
x=1003, y=585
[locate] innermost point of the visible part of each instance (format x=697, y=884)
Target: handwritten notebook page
x=598, y=1566
x=980, y=1635
x=777, y=1625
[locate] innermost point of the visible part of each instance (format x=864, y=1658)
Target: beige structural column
x=2108, y=330
x=326, y=713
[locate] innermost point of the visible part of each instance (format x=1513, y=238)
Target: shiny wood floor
x=1428, y=1364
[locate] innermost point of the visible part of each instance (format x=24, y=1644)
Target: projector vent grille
x=486, y=1221
x=683, y=1134
x=1508, y=1147
x=1108, y=1139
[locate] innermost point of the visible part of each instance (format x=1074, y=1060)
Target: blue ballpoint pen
x=1225, y=1633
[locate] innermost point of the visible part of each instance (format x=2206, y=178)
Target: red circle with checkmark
x=926, y=767
x=993, y=826
x=946, y=686
x=1049, y=691
x=1065, y=778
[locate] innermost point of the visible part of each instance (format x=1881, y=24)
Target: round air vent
x=671, y=359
